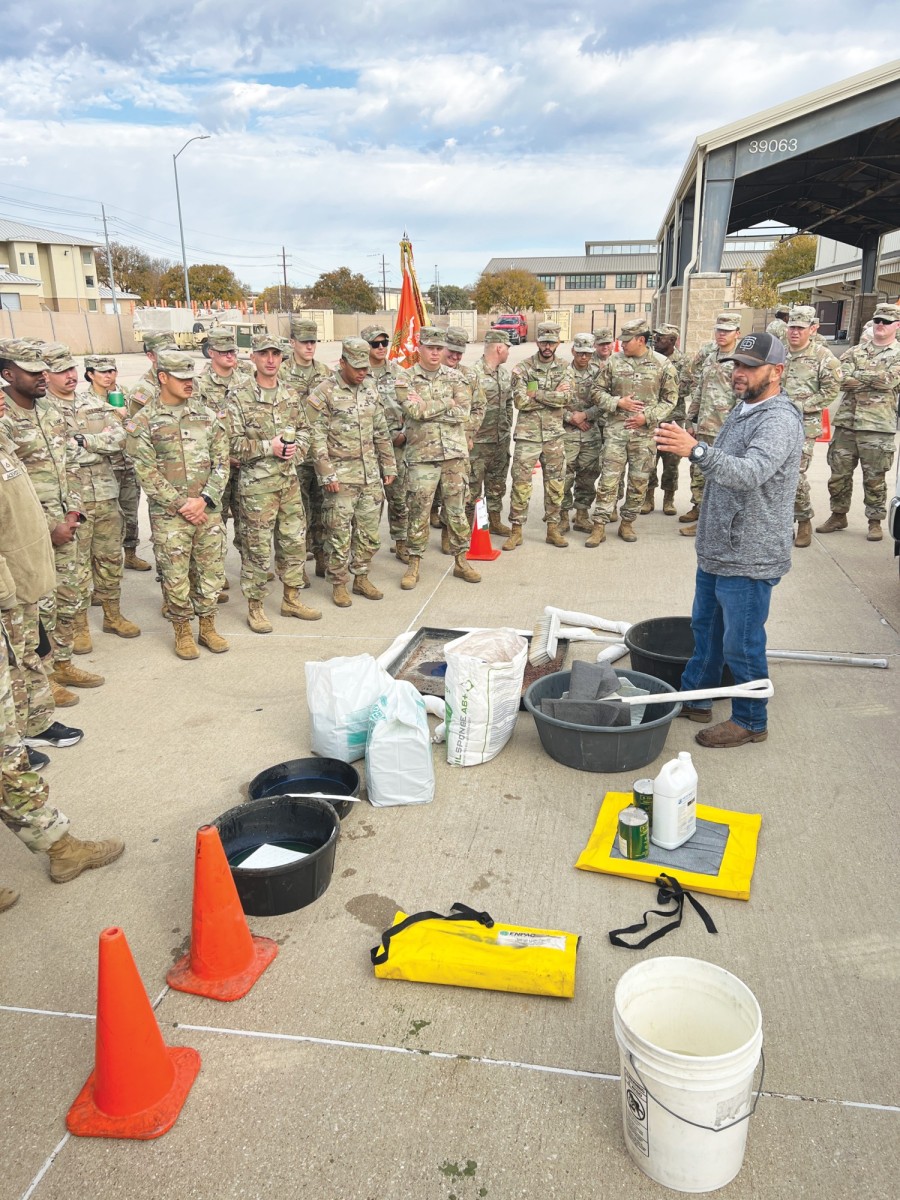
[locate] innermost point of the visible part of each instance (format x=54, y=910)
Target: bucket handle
x=696, y=1124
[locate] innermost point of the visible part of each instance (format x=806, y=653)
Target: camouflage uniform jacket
x=582, y=401
x=691, y=368
x=645, y=378
x=350, y=439
x=541, y=392
x=680, y=363
x=712, y=398
x=384, y=377
x=103, y=430
x=214, y=389
x=812, y=379
x=496, y=424
x=179, y=452
x=438, y=432
x=257, y=417
x=40, y=437
x=477, y=400
x=146, y=388
x=778, y=328
x=872, y=406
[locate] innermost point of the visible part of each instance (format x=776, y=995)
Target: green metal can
x=634, y=833
x=116, y=399
x=643, y=796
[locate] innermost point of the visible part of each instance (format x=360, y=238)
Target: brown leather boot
x=70, y=856
x=648, y=505
x=8, y=897
x=402, y=550
x=690, y=516
x=597, y=536
x=445, y=540
x=514, y=539
x=626, y=532
x=66, y=673
x=340, y=595
x=583, y=522
x=114, y=622
x=554, y=537
x=210, y=636
x=411, y=578
x=463, y=570
x=362, y=586
x=185, y=646
x=62, y=697
x=835, y=521
x=495, y=525
x=82, y=643
x=727, y=734
x=293, y=606
x=669, y=509
x=256, y=617
x=804, y=534
x=874, y=534
x=133, y=563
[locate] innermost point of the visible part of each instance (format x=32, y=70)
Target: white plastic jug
x=674, y=803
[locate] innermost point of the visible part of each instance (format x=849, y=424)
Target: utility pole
x=200, y=137
x=287, y=298
x=384, y=283
x=437, y=284
x=112, y=279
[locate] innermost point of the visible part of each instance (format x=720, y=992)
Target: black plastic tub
x=593, y=748
x=282, y=820
x=662, y=647
x=305, y=775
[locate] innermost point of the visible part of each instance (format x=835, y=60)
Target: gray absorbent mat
x=592, y=681
x=702, y=854
x=587, y=712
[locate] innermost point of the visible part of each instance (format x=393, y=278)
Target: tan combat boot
x=648, y=505
x=114, y=622
x=62, y=697
x=445, y=540
x=874, y=534
x=411, y=578
x=185, y=646
x=804, y=534
x=133, y=563
x=362, y=587
x=462, y=570
x=402, y=550
x=256, y=617
x=689, y=530
x=7, y=898
x=597, y=536
x=210, y=636
x=514, y=539
x=563, y=523
x=95, y=600
x=340, y=595
x=582, y=522
x=835, y=521
x=320, y=564
x=70, y=856
x=626, y=532
x=293, y=606
x=82, y=643
x=226, y=586
x=690, y=516
x=669, y=504
x=554, y=537
x=614, y=516
x=66, y=673
x=434, y=519
x=495, y=525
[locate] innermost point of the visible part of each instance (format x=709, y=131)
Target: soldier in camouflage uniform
x=436, y=408
x=542, y=387
x=303, y=372
x=98, y=431
x=712, y=399
x=384, y=374
x=179, y=448
x=778, y=327
x=489, y=455
x=865, y=423
x=636, y=391
x=812, y=379
x=147, y=387
x=583, y=435
x=604, y=345
x=269, y=428
x=665, y=342
x=451, y=357
x=352, y=452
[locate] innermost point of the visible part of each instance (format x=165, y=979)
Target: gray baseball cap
x=758, y=349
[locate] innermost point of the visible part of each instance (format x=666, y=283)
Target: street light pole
x=200, y=137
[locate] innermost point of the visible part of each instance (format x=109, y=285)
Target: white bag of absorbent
x=482, y=690
x=399, y=766
x=340, y=693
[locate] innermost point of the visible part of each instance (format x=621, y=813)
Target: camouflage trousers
x=23, y=793
x=311, y=491
x=552, y=455
x=59, y=609
x=670, y=463
x=98, y=543
x=803, y=509
x=396, y=493
x=129, y=498
x=30, y=687
x=631, y=448
x=189, y=558
x=875, y=453
x=351, y=518
x=489, y=468
x=276, y=517
x=231, y=506
x=582, y=467
x=452, y=476
x=697, y=478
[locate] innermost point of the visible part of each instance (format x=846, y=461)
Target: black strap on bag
x=670, y=892
x=458, y=912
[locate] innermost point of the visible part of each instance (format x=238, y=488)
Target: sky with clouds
x=481, y=128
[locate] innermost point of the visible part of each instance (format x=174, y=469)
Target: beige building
x=43, y=269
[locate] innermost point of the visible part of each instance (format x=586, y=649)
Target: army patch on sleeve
x=130, y=426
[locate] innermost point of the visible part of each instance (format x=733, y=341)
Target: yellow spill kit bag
x=470, y=949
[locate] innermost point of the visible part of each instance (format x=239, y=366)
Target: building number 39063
x=762, y=146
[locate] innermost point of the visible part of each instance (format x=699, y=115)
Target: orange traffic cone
x=225, y=958
x=825, y=435
x=480, y=548
x=139, y=1084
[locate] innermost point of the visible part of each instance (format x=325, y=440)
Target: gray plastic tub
x=593, y=748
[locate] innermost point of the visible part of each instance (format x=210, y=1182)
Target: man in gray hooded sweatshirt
x=744, y=535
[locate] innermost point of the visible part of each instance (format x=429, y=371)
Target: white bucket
x=690, y=1038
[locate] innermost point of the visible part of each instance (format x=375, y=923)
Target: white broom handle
x=580, y=618
x=754, y=689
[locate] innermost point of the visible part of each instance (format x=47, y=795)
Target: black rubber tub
x=305, y=775
x=662, y=647
x=593, y=748
x=293, y=821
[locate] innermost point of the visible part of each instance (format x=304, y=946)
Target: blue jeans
x=729, y=625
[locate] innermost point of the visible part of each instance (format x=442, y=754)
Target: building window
x=88, y=281
x=648, y=307
x=87, y=257
x=652, y=280
x=575, y=283
x=579, y=308
x=31, y=260
x=92, y=305
x=626, y=281
x=630, y=307
x=609, y=308
x=728, y=278
x=549, y=281
x=22, y=258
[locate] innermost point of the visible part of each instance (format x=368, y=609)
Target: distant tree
x=278, y=298
x=134, y=270
x=209, y=281
x=509, y=291
x=452, y=297
x=343, y=291
x=786, y=260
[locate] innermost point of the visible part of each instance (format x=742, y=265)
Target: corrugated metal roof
x=12, y=277
x=583, y=264
x=15, y=231
x=733, y=260
x=106, y=293
x=848, y=272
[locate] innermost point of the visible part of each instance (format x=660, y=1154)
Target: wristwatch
x=698, y=453
x=209, y=503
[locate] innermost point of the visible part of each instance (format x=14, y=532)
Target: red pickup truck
x=515, y=324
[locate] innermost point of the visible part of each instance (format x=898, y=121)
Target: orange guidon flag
x=411, y=314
